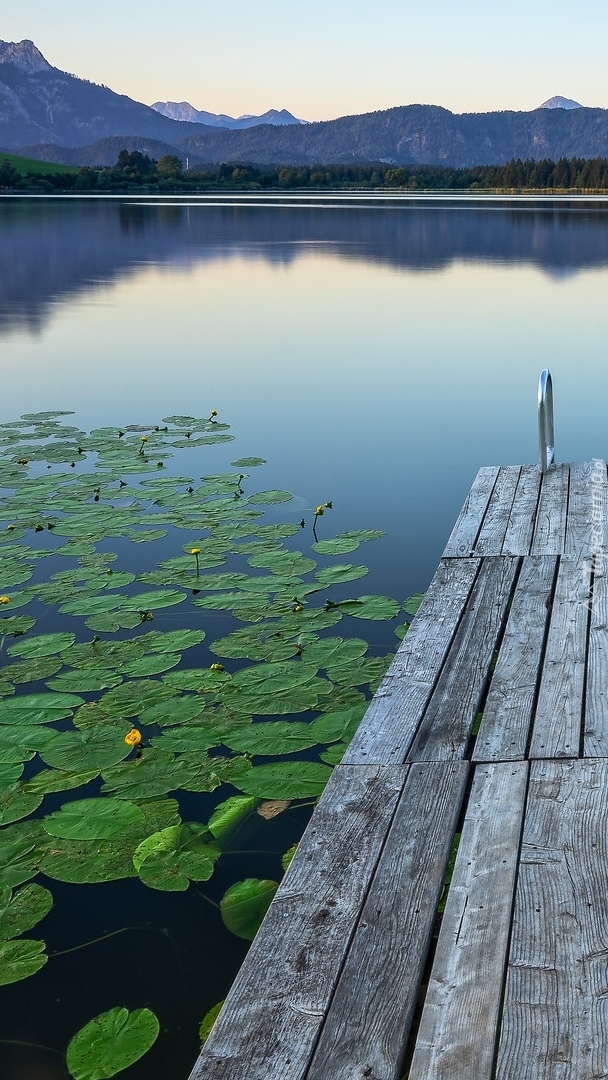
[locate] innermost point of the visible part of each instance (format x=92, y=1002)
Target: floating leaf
x=229, y=815
x=286, y=859
x=248, y=462
x=270, y=497
x=16, y=803
x=20, y=959
x=287, y=780
x=413, y=603
x=111, y=1042
x=338, y=545
x=334, y=575
x=371, y=607
x=171, y=858
x=93, y=819
x=23, y=909
x=208, y=1021
x=42, y=645
x=244, y=905
x=272, y=808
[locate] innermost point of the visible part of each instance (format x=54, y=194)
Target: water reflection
x=51, y=250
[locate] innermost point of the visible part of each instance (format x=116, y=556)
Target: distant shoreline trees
x=136, y=172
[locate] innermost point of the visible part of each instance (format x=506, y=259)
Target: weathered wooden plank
x=550, y=528
x=555, y=1021
x=366, y=1029
x=595, y=729
x=522, y=518
x=458, y=1029
x=269, y=1025
x=468, y=523
x=448, y=720
x=492, y=533
x=558, y=720
x=507, y=714
x=587, y=504
x=389, y=725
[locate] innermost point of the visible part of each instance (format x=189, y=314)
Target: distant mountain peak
x=23, y=55
x=558, y=102
x=183, y=110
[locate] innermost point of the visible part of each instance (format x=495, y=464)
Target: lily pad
x=244, y=905
x=111, y=1042
x=93, y=819
x=42, y=645
x=19, y=959
x=286, y=780
x=23, y=909
x=229, y=815
x=371, y=607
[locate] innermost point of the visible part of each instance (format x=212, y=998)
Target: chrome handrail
x=546, y=437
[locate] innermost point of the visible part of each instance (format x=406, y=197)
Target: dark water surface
x=376, y=353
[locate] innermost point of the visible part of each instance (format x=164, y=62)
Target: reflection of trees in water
x=54, y=249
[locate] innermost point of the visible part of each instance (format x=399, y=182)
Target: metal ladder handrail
x=546, y=437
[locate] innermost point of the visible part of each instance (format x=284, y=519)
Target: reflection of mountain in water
x=51, y=250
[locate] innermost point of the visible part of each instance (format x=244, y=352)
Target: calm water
x=375, y=352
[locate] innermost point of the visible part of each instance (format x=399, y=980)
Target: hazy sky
x=325, y=58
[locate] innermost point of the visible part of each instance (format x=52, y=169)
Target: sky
x=323, y=59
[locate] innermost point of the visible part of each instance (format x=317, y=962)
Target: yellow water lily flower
x=133, y=737
x=5, y=599
x=217, y=667
x=195, y=551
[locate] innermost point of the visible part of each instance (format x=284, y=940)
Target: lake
x=375, y=352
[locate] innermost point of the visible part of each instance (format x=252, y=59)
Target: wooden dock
x=491, y=724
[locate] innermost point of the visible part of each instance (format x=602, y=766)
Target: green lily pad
x=270, y=497
x=244, y=905
x=20, y=959
x=334, y=575
x=229, y=815
x=42, y=645
x=93, y=819
x=413, y=603
x=23, y=909
x=16, y=803
x=371, y=607
x=272, y=739
x=171, y=858
x=86, y=749
x=286, y=780
x=248, y=462
x=111, y=1042
x=338, y=545
x=208, y=1021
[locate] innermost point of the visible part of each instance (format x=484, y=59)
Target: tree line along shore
x=135, y=172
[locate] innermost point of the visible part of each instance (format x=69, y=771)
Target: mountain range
x=183, y=110
x=51, y=115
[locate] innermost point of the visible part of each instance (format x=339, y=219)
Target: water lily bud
x=320, y=510
x=5, y=599
x=133, y=737
x=217, y=667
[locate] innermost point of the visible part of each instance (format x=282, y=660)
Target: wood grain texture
x=468, y=523
x=507, y=715
x=366, y=1029
x=555, y=1021
x=558, y=721
x=587, y=504
x=458, y=1030
x=270, y=1021
x=595, y=728
x=550, y=529
x=446, y=727
x=491, y=536
x=520, y=527
x=389, y=725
